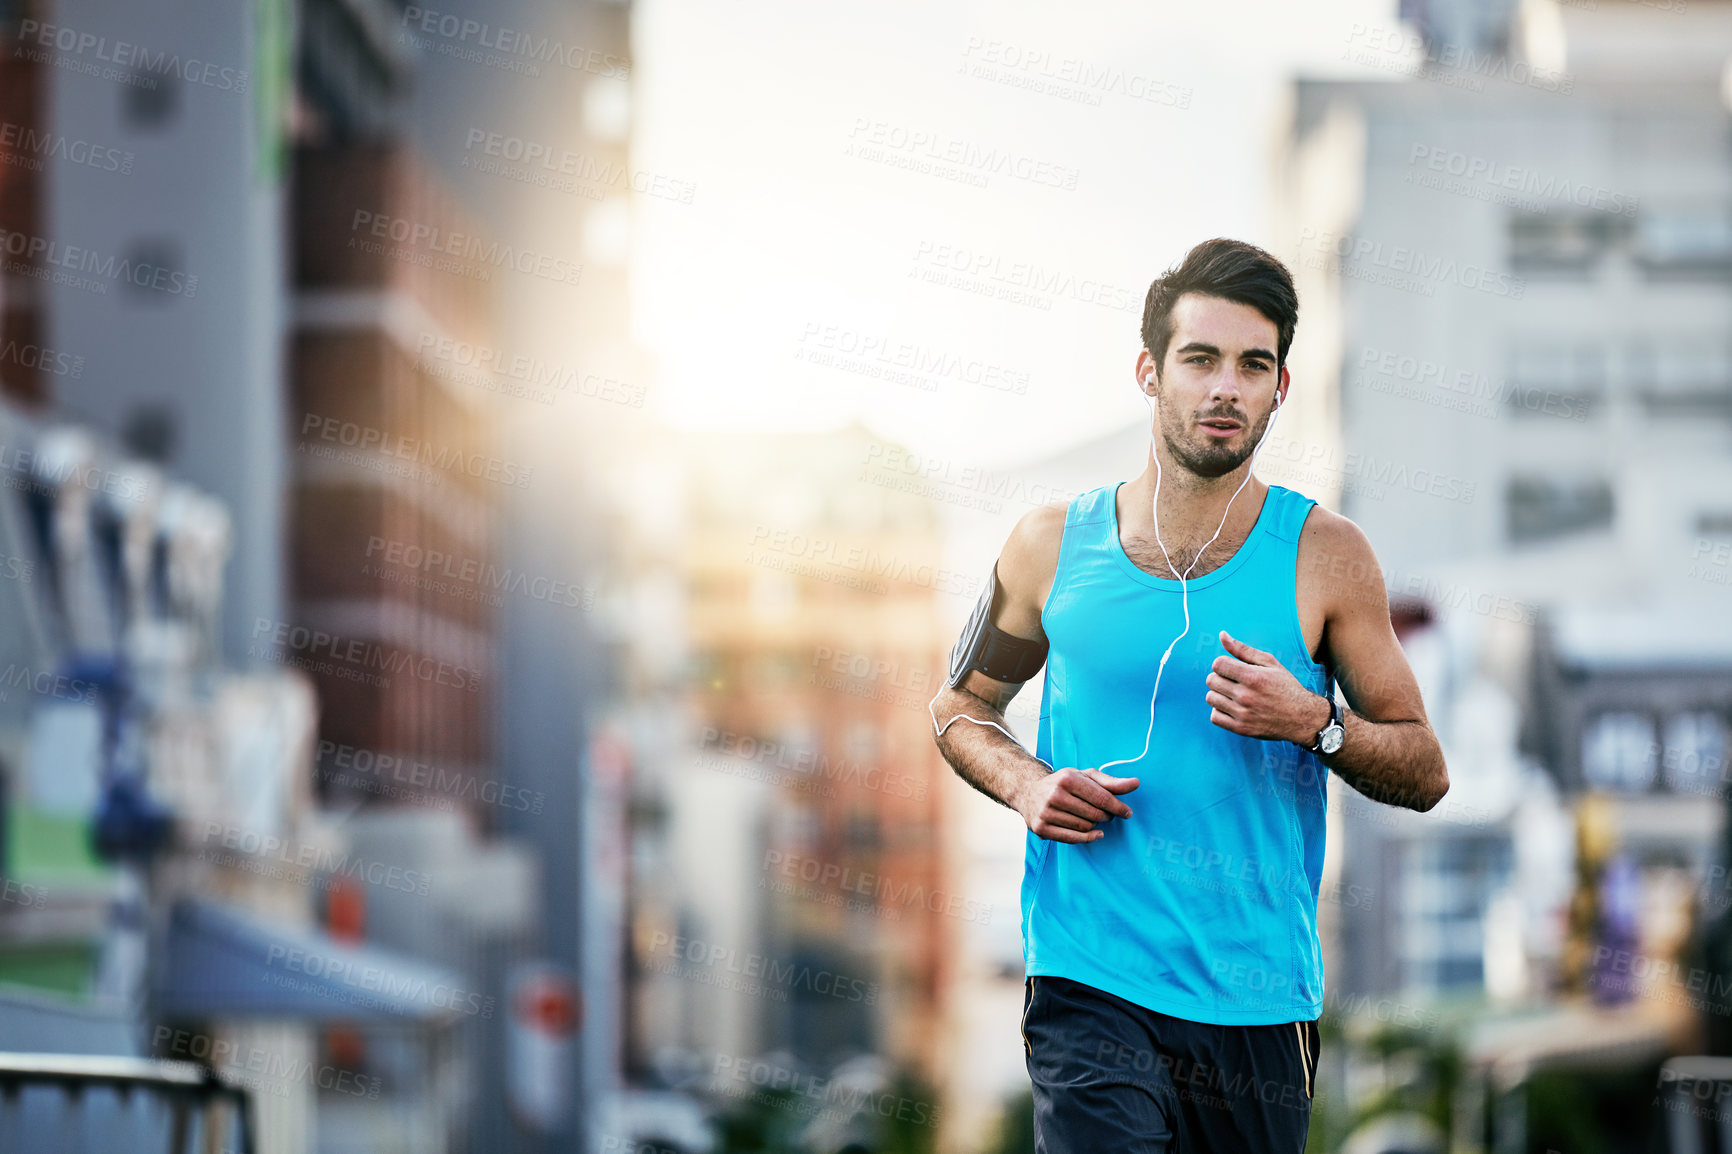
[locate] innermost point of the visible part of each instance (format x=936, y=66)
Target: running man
x=1169, y=908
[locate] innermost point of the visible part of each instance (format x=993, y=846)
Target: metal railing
x=188, y=1093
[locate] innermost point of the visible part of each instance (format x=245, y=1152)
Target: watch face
x=1330, y=739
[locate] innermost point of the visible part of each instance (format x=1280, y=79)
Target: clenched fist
x=1066, y=804
x=1252, y=694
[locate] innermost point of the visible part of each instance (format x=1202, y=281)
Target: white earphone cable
x=1184, y=588
x=1184, y=594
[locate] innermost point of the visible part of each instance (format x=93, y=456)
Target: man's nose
x=1226, y=386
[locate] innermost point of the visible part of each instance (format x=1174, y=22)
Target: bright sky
x=812, y=229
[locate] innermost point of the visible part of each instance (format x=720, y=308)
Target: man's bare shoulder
x=1030, y=556
x=1335, y=555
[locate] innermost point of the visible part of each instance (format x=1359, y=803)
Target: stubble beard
x=1209, y=458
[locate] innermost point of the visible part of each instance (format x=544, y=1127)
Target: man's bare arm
x=1061, y=806
x=982, y=756
x=1389, y=752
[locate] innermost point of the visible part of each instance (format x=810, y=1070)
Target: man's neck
x=1191, y=508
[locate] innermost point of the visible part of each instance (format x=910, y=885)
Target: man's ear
x=1148, y=373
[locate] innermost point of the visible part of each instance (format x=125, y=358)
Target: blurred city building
x=252, y=744
x=393, y=534
x=793, y=896
x=23, y=92
x=525, y=115
x=1521, y=248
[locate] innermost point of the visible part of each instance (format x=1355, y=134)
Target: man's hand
x=1253, y=695
x=1066, y=804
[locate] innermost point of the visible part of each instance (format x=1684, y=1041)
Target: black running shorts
x=1110, y=1075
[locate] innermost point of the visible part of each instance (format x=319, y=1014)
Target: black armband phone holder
x=985, y=647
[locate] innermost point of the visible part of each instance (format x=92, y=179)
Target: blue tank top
x=1202, y=905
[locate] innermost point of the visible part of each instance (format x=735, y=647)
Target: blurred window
x=1714, y=522
x=1446, y=885
x=800, y=748
x=862, y=830
x=150, y=100
x=1683, y=376
x=1618, y=751
x=1684, y=239
x=1555, y=378
x=1693, y=752
x=156, y=271
x=1560, y=244
x=861, y=742
x=1576, y=367
x=1539, y=508
x=796, y=824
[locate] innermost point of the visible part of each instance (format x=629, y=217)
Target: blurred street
x=488, y=494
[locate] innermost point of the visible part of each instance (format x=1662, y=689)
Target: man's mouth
x=1220, y=426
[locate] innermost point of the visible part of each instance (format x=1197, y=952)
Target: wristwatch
x=1330, y=736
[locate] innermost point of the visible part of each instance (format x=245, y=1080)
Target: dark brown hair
x=1230, y=269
